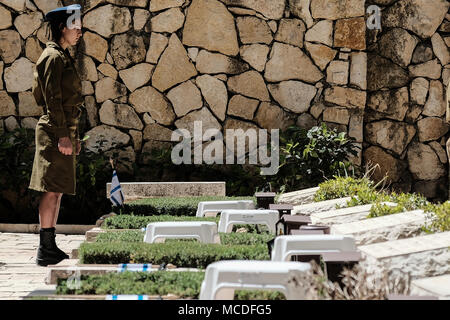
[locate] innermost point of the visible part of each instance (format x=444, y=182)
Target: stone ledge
x=134, y=190
x=34, y=228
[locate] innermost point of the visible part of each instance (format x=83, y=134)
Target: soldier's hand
x=78, y=147
x=65, y=146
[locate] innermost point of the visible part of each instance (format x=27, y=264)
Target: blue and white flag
x=116, y=194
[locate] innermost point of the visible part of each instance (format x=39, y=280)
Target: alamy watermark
x=374, y=20
x=213, y=152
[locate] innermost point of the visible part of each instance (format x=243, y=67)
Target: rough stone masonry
x=152, y=66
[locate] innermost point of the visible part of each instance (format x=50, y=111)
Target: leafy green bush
x=182, y=254
x=182, y=206
x=125, y=221
x=309, y=157
x=225, y=238
x=183, y=284
x=439, y=217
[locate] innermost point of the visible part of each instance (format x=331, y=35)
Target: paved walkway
x=19, y=274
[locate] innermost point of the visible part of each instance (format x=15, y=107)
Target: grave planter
x=264, y=199
x=335, y=262
x=325, y=229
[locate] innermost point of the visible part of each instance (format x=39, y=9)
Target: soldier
x=56, y=87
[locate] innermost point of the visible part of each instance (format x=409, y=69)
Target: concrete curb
x=34, y=228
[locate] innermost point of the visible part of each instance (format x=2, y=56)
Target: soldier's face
x=73, y=33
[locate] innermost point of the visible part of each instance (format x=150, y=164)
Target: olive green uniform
x=56, y=87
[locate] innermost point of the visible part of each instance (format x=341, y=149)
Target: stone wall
x=151, y=66
x=408, y=70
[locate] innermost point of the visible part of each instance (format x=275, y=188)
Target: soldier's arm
x=52, y=76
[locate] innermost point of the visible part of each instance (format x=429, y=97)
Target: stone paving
x=19, y=274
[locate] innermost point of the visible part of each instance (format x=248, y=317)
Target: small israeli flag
x=116, y=194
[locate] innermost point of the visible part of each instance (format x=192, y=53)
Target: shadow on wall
x=405, y=127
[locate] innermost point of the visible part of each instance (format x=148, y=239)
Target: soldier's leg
x=58, y=204
x=47, y=206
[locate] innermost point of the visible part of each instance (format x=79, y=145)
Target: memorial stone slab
x=345, y=215
x=321, y=206
x=385, y=228
x=423, y=256
x=299, y=197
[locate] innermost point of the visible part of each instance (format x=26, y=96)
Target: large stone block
x=169, y=189
x=394, y=136
x=119, y=115
x=423, y=162
x=293, y=95
x=350, y=33
x=185, y=98
x=127, y=49
x=174, y=66
x=290, y=63
x=422, y=17
x=148, y=99
x=387, y=164
x=211, y=26
x=103, y=20
x=19, y=76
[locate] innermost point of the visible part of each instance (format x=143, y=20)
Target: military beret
x=61, y=13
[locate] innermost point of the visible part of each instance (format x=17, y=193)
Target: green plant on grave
x=233, y=238
x=310, y=157
x=179, y=253
x=184, y=285
x=131, y=221
x=341, y=187
x=405, y=202
x=438, y=217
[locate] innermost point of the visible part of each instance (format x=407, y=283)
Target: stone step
x=315, y=207
x=92, y=234
x=69, y=267
x=139, y=190
x=437, y=286
x=298, y=197
x=344, y=215
x=422, y=256
x=385, y=228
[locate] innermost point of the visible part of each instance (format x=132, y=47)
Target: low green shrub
x=341, y=187
x=439, y=217
x=125, y=221
x=182, y=206
x=405, y=202
x=182, y=254
x=182, y=284
x=243, y=238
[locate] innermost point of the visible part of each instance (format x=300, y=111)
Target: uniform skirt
x=52, y=170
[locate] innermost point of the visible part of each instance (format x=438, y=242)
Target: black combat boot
x=62, y=254
x=48, y=252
